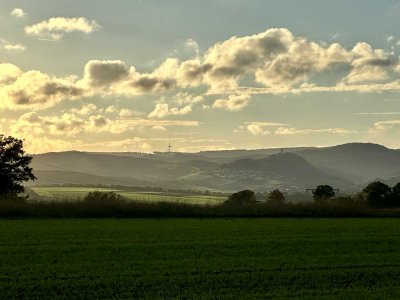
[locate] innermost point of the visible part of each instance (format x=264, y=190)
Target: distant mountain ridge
x=360, y=161
x=344, y=166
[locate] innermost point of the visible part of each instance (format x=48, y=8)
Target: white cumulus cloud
x=56, y=28
x=18, y=13
x=163, y=110
x=234, y=102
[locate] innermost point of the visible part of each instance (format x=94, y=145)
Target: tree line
x=375, y=195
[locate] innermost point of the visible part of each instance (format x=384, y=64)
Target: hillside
x=286, y=170
x=358, y=162
x=343, y=166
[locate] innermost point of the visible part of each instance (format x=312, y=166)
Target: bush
x=242, y=197
x=97, y=197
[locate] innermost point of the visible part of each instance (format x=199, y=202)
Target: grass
x=76, y=193
x=200, y=258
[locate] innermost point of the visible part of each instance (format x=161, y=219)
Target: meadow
x=200, y=258
x=78, y=193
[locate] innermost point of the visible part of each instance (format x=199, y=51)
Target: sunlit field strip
x=77, y=193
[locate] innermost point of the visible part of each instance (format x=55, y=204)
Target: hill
x=359, y=162
x=285, y=170
x=344, y=166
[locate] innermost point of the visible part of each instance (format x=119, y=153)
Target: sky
x=202, y=75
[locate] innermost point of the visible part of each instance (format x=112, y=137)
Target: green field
x=74, y=193
x=187, y=258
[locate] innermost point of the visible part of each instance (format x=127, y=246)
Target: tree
x=377, y=194
x=242, y=197
x=276, y=197
x=14, y=166
x=396, y=195
x=323, y=192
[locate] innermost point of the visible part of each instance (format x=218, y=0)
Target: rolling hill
x=343, y=166
x=285, y=170
x=358, y=162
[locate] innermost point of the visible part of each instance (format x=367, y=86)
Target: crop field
x=75, y=193
x=195, y=258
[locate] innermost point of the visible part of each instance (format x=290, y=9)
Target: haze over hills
x=343, y=166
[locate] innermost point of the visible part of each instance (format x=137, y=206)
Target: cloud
x=257, y=129
x=56, y=28
x=384, y=126
x=11, y=47
x=85, y=120
x=272, y=62
x=33, y=89
x=159, y=128
x=44, y=144
x=276, y=59
x=18, y=13
x=369, y=64
x=390, y=38
x=186, y=98
x=266, y=128
x=362, y=88
x=8, y=73
x=163, y=110
x=14, y=47
x=115, y=77
x=234, y=102
x=260, y=128
x=294, y=131
x=104, y=73
x=191, y=44
x=112, y=109
x=140, y=122
x=378, y=113
x=85, y=109
x=33, y=124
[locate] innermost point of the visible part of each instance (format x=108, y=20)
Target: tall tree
x=276, y=197
x=14, y=166
x=323, y=192
x=377, y=194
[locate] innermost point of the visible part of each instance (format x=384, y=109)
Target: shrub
x=97, y=197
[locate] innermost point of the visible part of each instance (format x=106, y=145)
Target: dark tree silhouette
x=377, y=194
x=276, y=197
x=242, y=197
x=14, y=166
x=396, y=195
x=323, y=192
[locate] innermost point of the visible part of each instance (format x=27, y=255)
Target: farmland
x=76, y=193
x=187, y=258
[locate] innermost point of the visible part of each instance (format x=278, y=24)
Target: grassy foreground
x=200, y=258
